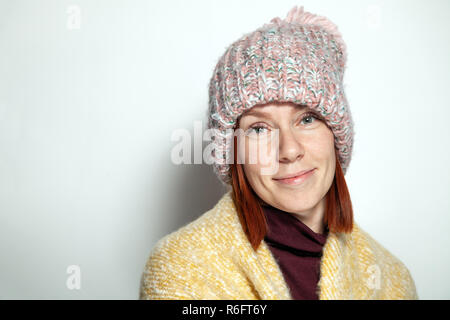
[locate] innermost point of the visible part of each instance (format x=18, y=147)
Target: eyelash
x=306, y=115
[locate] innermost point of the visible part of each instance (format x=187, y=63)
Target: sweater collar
x=215, y=247
x=287, y=232
x=345, y=269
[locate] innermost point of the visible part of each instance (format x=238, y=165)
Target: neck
x=313, y=217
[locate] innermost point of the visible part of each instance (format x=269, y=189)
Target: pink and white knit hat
x=300, y=59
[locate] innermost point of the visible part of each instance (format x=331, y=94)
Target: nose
x=290, y=146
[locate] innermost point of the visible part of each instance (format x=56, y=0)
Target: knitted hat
x=300, y=59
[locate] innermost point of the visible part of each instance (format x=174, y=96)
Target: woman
x=285, y=229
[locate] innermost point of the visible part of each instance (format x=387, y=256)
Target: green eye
x=256, y=129
x=309, y=115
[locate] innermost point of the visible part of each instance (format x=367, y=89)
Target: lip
x=296, y=178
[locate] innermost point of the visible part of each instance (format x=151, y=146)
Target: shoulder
x=396, y=279
x=179, y=260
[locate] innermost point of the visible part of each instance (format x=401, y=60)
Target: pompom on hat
x=299, y=59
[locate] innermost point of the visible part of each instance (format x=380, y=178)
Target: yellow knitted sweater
x=211, y=258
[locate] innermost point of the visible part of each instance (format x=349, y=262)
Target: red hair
x=338, y=212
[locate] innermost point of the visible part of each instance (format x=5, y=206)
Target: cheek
x=257, y=173
x=323, y=151
x=254, y=178
x=256, y=154
x=250, y=172
x=322, y=144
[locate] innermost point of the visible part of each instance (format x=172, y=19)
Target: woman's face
x=304, y=143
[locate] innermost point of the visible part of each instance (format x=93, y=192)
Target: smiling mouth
x=296, y=180
x=298, y=174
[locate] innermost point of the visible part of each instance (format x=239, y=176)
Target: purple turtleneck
x=298, y=251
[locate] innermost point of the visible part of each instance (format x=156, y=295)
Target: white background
x=86, y=117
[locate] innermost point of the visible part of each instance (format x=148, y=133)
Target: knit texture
x=211, y=258
x=299, y=59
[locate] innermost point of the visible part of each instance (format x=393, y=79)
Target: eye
x=256, y=129
x=308, y=116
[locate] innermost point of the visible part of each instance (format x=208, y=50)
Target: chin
x=293, y=198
